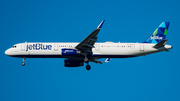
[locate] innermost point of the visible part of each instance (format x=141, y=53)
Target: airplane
x=76, y=54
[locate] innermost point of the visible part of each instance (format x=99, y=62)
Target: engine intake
x=73, y=63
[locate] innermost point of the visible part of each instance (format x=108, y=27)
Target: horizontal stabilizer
x=161, y=44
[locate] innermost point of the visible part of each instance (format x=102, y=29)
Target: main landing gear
x=88, y=67
x=23, y=63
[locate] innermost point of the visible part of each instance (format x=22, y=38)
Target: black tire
x=23, y=64
x=88, y=67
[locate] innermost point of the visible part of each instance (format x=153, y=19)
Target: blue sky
x=153, y=77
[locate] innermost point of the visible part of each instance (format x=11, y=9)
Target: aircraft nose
x=7, y=52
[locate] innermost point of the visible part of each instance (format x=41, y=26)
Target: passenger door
x=23, y=46
x=97, y=47
x=55, y=47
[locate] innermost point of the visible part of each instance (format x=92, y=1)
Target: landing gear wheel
x=23, y=64
x=88, y=67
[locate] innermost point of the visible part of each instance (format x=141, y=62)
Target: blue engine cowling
x=73, y=63
x=67, y=52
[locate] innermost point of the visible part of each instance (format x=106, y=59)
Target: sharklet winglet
x=100, y=25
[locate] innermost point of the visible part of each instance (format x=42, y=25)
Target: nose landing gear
x=23, y=63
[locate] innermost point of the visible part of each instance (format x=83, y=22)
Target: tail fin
x=159, y=34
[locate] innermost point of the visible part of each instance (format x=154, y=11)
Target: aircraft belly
x=38, y=54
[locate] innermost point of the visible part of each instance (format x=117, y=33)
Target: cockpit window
x=13, y=46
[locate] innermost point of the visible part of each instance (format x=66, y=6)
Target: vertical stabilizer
x=159, y=34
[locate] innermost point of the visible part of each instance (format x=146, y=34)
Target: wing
x=88, y=43
x=100, y=62
x=96, y=61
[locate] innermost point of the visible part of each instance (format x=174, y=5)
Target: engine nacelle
x=73, y=63
x=67, y=52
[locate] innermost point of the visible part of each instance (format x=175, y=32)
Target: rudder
x=159, y=34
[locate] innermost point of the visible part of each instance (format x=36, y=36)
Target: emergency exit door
x=141, y=47
x=56, y=47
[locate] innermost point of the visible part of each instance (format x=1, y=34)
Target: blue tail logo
x=159, y=34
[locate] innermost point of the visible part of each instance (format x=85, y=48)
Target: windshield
x=13, y=47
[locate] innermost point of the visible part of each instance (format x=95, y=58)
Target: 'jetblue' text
x=38, y=47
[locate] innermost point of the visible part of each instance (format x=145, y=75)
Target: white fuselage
x=89, y=51
x=100, y=50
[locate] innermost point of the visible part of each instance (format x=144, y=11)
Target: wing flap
x=96, y=61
